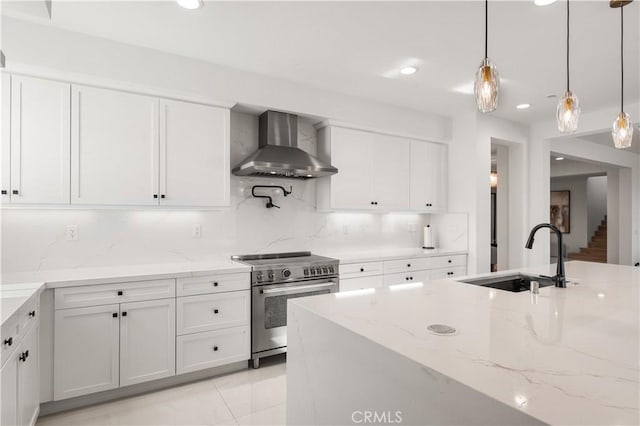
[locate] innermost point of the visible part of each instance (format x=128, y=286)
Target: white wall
x=596, y=203
x=577, y=237
x=35, y=239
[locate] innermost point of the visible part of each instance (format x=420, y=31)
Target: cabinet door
x=9, y=395
x=86, y=350
x=194, y=154
x=114, y=147
x=361, y=283
x=351, y=153
x=406, y=278
x=28, y=379
x=5, y=142
x=428, y=176
x=147, y=341
x=40, y=141
x=391, y=163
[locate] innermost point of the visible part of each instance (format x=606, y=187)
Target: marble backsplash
x=34, y=239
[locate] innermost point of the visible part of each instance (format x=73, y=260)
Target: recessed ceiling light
x=544, y=2
x=559, y=158
x=523, y=106
x=191, y=4
x=408, y=70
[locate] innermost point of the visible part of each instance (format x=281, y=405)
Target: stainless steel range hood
x=278, y=154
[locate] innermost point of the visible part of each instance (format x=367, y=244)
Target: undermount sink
x=513, y=282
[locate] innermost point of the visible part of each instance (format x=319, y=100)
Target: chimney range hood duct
x=278, y=154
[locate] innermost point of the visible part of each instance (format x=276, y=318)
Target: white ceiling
x=357, y=47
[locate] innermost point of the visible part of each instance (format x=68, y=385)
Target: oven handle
x=297, y=288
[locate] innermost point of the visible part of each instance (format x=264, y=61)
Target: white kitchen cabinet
x=194, y=154
x=213, y=311
x=5, y=142
x=114, y=147
x=147, y=341
x=406, y=278
x=453, y=272
x=373, y=170
x=213, y=348
x=36, y=141
x=9, y=395
x=86, y=350
x=28, y=379
x=428, y=179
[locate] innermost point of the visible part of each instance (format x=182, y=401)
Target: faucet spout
x=560, y=278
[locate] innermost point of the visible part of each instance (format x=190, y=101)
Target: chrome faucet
x=559, y=279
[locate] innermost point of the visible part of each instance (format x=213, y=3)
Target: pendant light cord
x=567, y=45
x=486, y=28
x=621, y=59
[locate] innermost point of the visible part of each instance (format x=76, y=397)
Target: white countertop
x=377, y=255
x=123, y=273
x=571, y=356
x=12, y=297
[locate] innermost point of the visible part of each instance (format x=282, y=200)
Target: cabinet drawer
x=213, y=311
x=213, y=284
x=439, y=274
x=17, y=326
x=406, y=265
x=406, y=277
x=105, y=294
x=27, y=315
x=353, y=270
x=212, y=349
x=348, y=284
x=10, y=337
x=448, y=261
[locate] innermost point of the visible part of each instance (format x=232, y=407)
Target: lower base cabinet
x=212, y=348
x=99, y=348
x=20, y=378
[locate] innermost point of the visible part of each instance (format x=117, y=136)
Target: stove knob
x=325, y=270
x=286, y=273
x=270, y=275
x=313, y=271
x=331, y=271
x=259, y=276
x=306, y=271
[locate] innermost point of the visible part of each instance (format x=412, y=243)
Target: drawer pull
x=449, y=260
x=23, y=356
x=215, y=284
x=32, y=314
x=119, y=292
x=215, y=311
x=124, y=314
x=215, y=348
x=8, y=341
x=361, y=269
x=115, y=315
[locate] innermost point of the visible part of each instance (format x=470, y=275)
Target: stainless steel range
x=275, y=278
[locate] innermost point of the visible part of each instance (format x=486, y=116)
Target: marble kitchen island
x=565, y=356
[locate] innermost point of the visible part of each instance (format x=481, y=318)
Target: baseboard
x=53, y=407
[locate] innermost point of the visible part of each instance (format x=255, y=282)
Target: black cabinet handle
x=119, y=292
x=408, y=265
x=215, y=311
x=155, y=195
x=4, y=192
x=215, y=348
x=115, y=315
x=8, y=341
x=449, y=260
x=162, y=196
x=124, y=314
x=23, y=357
x=32, y=314
x=14, y=192
x=361, y=269
x=376, y=203
x=215, y=284
x=372, y=203
x=411, y=278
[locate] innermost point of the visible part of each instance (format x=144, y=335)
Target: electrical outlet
x=196, y=231
x=72, y=232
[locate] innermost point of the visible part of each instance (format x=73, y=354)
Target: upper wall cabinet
x=373, y=170
x=35, y=141
x=114, y=147
x=130, y=149
x=381, y=172
x=194, y=154
x=428, y=176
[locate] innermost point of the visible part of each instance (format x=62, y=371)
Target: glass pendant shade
x=622, y=131
x=568, y=113
x=487, y=86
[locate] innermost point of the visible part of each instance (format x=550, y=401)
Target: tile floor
x=248, y=397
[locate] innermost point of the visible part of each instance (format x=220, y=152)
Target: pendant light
x=487, y=82
x=568, y=111
x=622, y=130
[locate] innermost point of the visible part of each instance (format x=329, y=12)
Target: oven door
x=269, y=309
